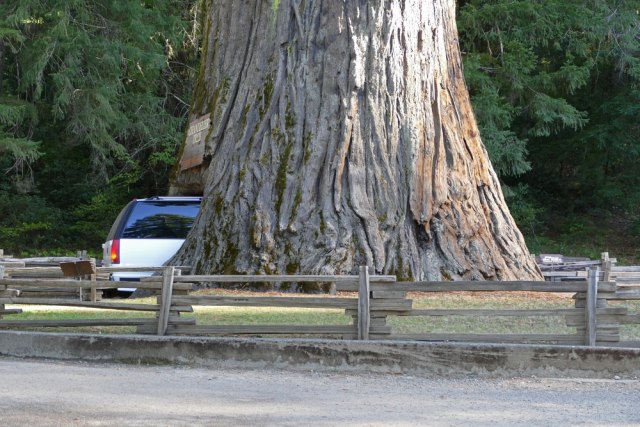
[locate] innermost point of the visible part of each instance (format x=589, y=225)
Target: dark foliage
x=94, y=99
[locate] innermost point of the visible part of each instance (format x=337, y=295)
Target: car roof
x=171, y=199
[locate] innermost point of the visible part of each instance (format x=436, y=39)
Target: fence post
x=78, y=276
x=93, y=277
x=591, y=306
x=364, y=314
x=606, y=266
x=165, y=303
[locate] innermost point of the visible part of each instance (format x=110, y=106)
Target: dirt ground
x=48, y=393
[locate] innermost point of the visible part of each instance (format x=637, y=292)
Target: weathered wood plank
x=11, y=263
x=579, y=320
x=590, y=308
x=581, y=303
x=167, y=291
x=388, y=295
x=621, y=275
x=150, y=321
x=382, y=285
x=630, y=319
x=606, y=339
x=364, y=304
x=85, y=284
x=52, y=261
x=609, y=310
x=343, y=282
x=181, y=308
x=380, y=329
x=614, y=276
x=625, y=296
x=600, y=296
x=34, y=271
x=559, y=274
x=10, y=310
x=604, y=290
x=380, y=312
x=48, y=293
x=378, y=321
x=75, y=322
x=602, y=329
x=140, y=269
x=626, y=269
x=53, y=283
x=9, y=293
x=469, y=286
x=88, y=304
x=606, y=268
x=300, y=302
x=490, y=313
x=628, y=283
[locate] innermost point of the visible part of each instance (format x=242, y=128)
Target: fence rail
x=595, y=317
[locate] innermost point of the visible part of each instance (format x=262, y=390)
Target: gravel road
x=51, y=393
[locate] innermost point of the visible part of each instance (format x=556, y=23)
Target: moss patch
x=292, y=268
x=306, y=143
x=323, y=225
x=281, y=176
x=219, y=204
x=230, y=256
x=296, y=203
x=264, y=99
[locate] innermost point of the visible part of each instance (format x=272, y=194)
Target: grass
x=302, y=316
x=485, y=324
x=268, y=316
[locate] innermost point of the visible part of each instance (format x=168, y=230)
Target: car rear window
x=160, y=220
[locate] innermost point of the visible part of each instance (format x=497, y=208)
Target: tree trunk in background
x=342, y=135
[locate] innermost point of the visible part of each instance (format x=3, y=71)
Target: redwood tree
x=342, y=135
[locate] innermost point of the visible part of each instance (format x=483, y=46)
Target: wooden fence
x=596, y=315
x=357, y=306
x=49, y=286
x=557, y=267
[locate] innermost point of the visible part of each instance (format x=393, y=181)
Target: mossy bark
x=345, y=137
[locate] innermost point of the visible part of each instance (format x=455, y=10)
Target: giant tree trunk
x=342, y=135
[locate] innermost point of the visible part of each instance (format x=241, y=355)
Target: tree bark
x=342, y=135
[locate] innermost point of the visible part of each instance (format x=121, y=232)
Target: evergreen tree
x=554, y=85
x=17, y=117
x=103, y=87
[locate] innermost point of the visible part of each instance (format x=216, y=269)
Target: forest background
x=95, y=96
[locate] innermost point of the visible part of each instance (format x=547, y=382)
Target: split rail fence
x=370, y=301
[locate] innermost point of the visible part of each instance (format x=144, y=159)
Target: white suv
x=148, y=232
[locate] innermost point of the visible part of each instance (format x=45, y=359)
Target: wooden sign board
x=193, y=154
x=551, y=259
x=78, y=268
